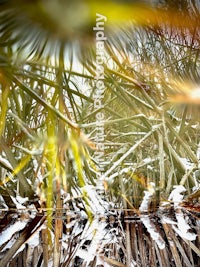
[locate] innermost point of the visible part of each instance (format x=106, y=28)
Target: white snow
x=98, y=233
x=11, y=230
x=17, y=204
x=34, y=240
x=145, y=202
x=94, y=232
x=168, y=220
x=145, y=218
x=153, y=231
x=181, y=227
x=176, y=195
x=21, y=200
x=187, y=164
x=101, y=262
x=147, y=197
x=94, y=200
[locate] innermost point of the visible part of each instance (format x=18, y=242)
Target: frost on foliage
x=153, y=231
x=181, y=227
x=175, y=196
x=96, y=204
x=95, y=233
x=19, y=201
x=147, y=197
x=146, y=220
x=187, y=164
x=145, y=202
x=11, y=230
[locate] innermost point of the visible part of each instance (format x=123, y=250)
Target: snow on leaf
x=187, y=235
x=17, y=204
x=96, y=204
x=11, y=230
x=147, y=197
x=176, y=195
x=183, y=227
x=187, y=164
x=152, y=231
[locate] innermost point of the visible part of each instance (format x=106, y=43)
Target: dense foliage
x=47, y=114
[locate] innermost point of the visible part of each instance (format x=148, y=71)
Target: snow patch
x=187, y=164
x=181, y=227
x=145, y=202
x=11, y=230
x=95, y=232
x=153, y=231
x=94, y=200
x=147, y=197
x=18, y=204
x=176, y=195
